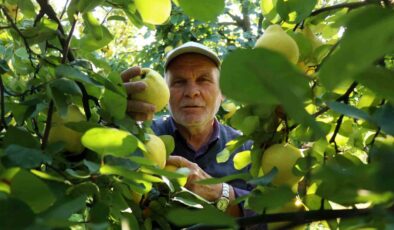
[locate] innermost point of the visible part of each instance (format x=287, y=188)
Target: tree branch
x=296, y=218
x=48, y=124
x=13, y=25
x=67, y=42
x=2, y=104
x=350, y=6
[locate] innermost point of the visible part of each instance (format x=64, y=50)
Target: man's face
x=195, y=96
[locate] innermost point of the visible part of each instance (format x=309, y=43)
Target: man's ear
x=222, y=97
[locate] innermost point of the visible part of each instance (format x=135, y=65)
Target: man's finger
x=130, y=73
x=140, y=116
x=140, y=107
x=134, y=87
x=178, y=161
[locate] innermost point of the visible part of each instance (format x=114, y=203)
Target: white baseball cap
x=191, y=47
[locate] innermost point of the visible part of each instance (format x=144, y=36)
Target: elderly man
x=192, y=73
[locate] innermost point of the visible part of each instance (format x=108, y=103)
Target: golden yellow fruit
x=283, y=157
x=172, y=168
x=156, y=92
x=59, y=132
x=156, y=150
x=276, y=39
x=154, y=12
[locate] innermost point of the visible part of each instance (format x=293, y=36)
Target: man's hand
x=209, y=192
x=138, y=110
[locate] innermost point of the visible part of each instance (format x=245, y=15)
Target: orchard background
x=336, y=104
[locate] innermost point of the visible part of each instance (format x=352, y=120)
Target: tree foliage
x=336, y=104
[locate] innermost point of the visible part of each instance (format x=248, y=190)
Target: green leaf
x=84, y=189
x=380, y=80
x=110, y=141
x=271, y=79
x=68, y=72
x=92, y=25
x=208, y=215
x=356, y=52
x=82, y=126
x=19, y=136
x=384, y=118
x=203, y=10
x=294, y=11
x=89, y=43
x=116, y=18
x=131, y=13
x=270, y=198
x=32, y=190
x=84, y=6
x=268, y=9
x=24, y=157
x=114, y=99
x=27, y=8
x=19, y=111
x=243, y=176
x=64, y=208
x=266, y=179
x=12, y=208
x=44, y=30
x=348, y=110
x=4, y=67
x=169, y=142
x=128, y=174
x=99, y=212
x=242, y=159
x=114, y=104
x=65, y=86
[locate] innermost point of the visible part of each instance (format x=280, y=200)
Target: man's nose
x=192, y=89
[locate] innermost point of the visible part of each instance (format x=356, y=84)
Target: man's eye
x=177, y=82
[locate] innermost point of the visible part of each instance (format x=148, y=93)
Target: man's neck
x=196, y=136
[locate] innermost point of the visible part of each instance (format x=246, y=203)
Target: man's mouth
x=191, y=106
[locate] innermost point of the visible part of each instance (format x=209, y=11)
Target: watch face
x=222, y=204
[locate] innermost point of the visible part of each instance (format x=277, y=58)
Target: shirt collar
x=215, y=135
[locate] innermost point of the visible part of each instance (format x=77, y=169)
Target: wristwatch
x=224, y=200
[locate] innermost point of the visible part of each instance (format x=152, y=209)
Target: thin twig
x=2, y=103
x=15, y=27
x=48, y=124
x=66, y=47
x=350, y=6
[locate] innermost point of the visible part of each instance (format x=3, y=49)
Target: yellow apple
x=172, y=168
x=59, y=132
x=156, y=92
x=156, y=150
x=283, y=157
x=154, y=12
x=276, y=39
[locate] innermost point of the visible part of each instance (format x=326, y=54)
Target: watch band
x=226, y=190
x=223, y=202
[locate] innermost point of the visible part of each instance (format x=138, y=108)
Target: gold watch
x=223, y=202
